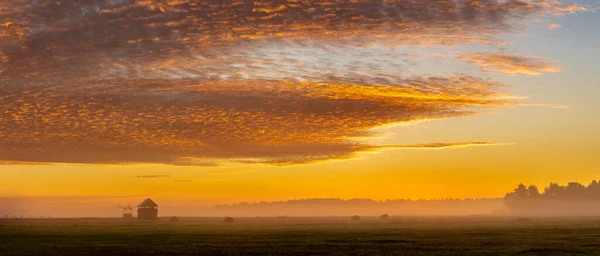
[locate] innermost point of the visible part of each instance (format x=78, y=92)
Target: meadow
x=303, y=236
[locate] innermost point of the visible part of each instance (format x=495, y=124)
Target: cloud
x=229, y=172
x=446, y=145
x=197, y=83
x=46, y=42
x=23, y=163
x=511, y=64
x=559, y=9
x=60, y=39
x=555, y=106
x=218, y=22
x=152, y=176
x=554, y=26
x=187, y=121
x=350, y=151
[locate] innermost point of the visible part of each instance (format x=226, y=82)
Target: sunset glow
x=197, y=103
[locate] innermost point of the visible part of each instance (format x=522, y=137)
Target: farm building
x=127, y=212
x=147, y=210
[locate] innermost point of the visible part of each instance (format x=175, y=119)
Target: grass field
x=302, y=236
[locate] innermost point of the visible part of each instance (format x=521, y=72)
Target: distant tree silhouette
x=355, y=218
x=228, y=220
x=384, y=217
x=593, y=190
x=532, y=191
x=554, y=190
x=574, y=198
x=521, y=191
x=575, y=190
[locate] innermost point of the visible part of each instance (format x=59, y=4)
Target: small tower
x=127, y=211
x=147, y=210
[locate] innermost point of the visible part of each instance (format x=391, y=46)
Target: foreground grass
x=270, y=237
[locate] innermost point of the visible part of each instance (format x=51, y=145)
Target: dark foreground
x=302, y=236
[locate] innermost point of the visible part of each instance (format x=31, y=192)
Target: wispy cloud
x=559, y=9
x=350, y=152
x=446, y=145
x=23, y=163
x=229, y=172
x=511, y=64
x=554, y=26
x=152, y=176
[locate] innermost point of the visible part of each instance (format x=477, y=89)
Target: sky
x=213, y=102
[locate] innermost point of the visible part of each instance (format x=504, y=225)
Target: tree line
x=574, y=197
x=572, y=191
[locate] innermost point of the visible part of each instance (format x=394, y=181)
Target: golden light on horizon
x=279, y=99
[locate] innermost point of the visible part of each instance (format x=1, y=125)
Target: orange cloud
x=47, y=41
x=351, y=150
x=510, y=64
x=187, y=83
x=177, y=121
x=23, y=163
x=152, y=176
x=559, y=9
x=554, y=26
x=230, y=172
x=60, y=32
x=447, y=145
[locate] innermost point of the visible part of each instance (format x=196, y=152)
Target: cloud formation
x=560, y=9
x=511, y=64
x=176, y=122
x=554, y=26
x=152, y=176
x=59, y=39
x=229, y=172
x=447, y=145
x=343, y=152
x=195, y=83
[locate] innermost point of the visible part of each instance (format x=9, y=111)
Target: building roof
x=148, y=203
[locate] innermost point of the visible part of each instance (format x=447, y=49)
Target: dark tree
x=554, y=190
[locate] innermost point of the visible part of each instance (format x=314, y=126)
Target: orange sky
x=246, y=107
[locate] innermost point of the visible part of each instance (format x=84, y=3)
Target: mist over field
x=574, y=199
x=66, y=207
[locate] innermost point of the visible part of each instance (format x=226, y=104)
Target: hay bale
x=355, y=218
x=228, y=220
x=384, y=217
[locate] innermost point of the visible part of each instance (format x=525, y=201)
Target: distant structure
x=127, y=211
x=147, y=210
